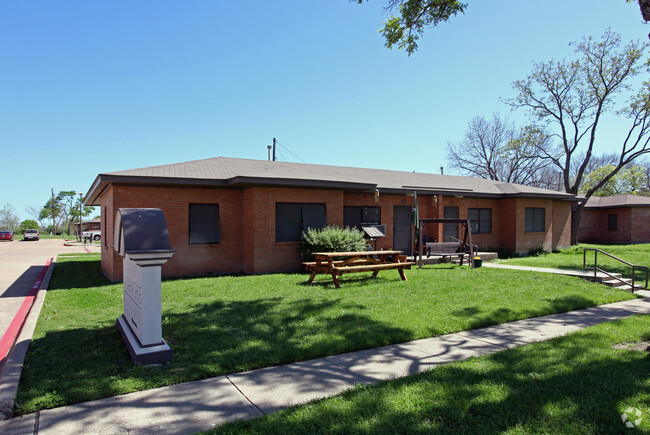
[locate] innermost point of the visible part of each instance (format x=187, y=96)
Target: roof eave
x=291, y=182
x=103, y=180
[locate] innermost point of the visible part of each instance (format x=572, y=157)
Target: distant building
x=228, y=215
x=616, y=219
x=90, y=225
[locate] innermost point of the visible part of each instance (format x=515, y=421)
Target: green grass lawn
x=229, y=324
x=579, y=383
x=572, y=258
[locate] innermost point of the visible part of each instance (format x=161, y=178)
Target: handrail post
x=633, y=266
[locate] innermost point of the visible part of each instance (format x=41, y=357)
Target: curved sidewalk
x=201, y=405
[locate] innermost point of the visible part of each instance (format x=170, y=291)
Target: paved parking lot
x=20, y=264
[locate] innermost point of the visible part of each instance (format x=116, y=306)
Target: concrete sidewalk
x=201, y=405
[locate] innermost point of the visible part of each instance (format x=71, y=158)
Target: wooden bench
x=446, y=249
x=355, y=262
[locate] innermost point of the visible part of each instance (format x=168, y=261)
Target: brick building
x=616, y=219
x=229, y=215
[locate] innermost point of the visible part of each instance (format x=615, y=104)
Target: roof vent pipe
x=269, y=148
x=442, y=170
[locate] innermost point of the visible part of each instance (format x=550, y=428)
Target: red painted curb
x=9, y=337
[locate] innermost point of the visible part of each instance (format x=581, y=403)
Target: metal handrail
x=597, y=269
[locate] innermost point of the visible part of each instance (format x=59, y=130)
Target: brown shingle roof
x=225, y=171
x=618, y=201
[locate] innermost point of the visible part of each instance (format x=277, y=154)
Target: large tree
x=51, y=213
x=8, y=218
x=571, y=97
x=404, y=29
x=66, y=200
x=413, y=16
x=496, y=149
x=629, y=180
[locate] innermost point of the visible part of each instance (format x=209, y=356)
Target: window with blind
x=534, y=220
x=292, y=219
x=204, y=223
x=480, y=220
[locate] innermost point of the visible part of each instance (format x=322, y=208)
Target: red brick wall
x=259, y=226
x=640, y=232
x=623, y=232
x=534, y=240
x=190, y=259
x=247, y=224
x=387, y=204
x=108, y=259
x=509, y=224
x=484, y=241
x=591, y=226
x=561, y=224
x=632, y=225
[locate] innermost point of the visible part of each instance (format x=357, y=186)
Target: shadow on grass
x=354, y=281
x=551, y=388
x=76, y=365
x=480, y=317
x=69, y=274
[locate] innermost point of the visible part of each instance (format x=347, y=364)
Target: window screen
x=204, y=223
x=612, y=221
x=534, y=220
x=480, y=220
x=291, y=219
x=357, y=216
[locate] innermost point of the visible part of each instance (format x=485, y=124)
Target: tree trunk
x=576, y=216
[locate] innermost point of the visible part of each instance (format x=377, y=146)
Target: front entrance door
x=402, y=228
x=450, y=230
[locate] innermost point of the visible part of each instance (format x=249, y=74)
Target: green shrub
x=537, y=252
x=331, y=239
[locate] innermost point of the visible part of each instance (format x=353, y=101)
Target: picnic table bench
x=354, y=262
x=446, y=249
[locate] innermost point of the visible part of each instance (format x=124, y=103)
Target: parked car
x=31, y=235
x=92, y=235
x=7, y=235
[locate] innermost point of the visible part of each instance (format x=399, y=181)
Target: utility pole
x=274, y=149
x=80, y=208
x=53, y=221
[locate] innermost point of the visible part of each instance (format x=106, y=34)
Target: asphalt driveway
x=20, y=264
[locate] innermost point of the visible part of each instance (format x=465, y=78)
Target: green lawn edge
x=578, y=383
x=229, y=324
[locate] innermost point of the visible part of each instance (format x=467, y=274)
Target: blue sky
x=93, y=87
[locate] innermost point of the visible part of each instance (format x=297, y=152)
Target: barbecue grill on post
x=374, y=232
x=141, y=237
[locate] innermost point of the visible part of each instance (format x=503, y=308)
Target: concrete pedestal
x=140, y=325
x=152, y=354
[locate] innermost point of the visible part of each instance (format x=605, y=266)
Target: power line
x=289, y=151
x=282, y=155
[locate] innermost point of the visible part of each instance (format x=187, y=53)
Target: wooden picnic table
x=353, y=262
